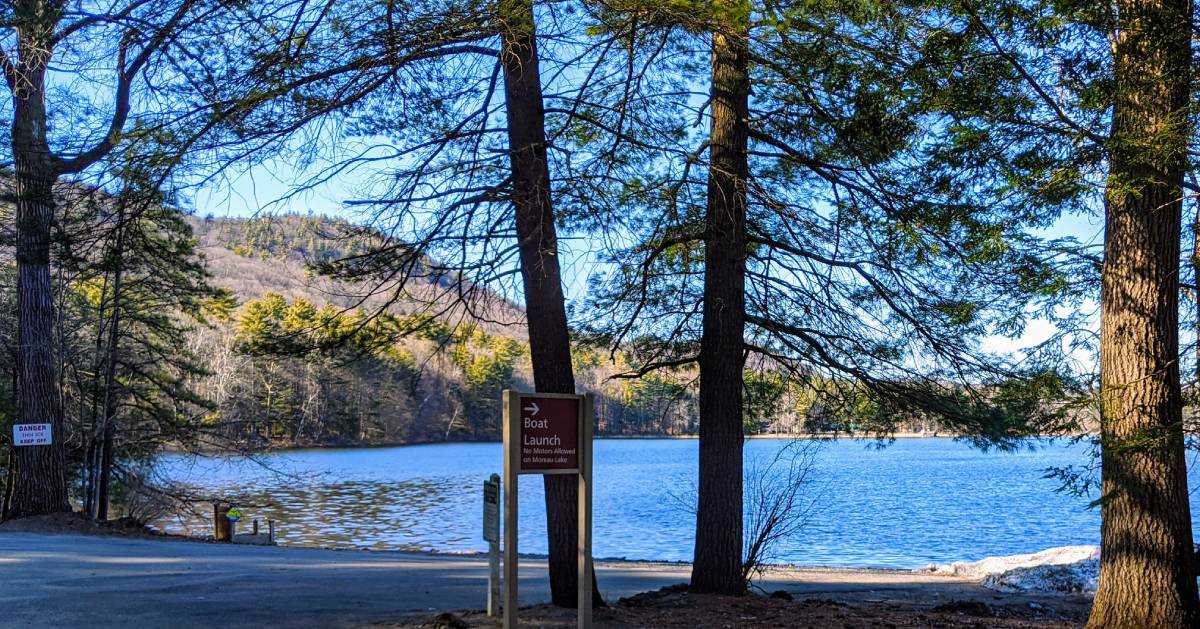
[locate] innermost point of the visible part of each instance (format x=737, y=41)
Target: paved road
x=86, y=581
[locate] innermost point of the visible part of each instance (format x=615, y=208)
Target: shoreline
x=155, y=535
x=270, y=449
x=75, y=524
x=608, y=561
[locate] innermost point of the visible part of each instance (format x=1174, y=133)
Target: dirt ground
x=78, y=524
x=676, y=608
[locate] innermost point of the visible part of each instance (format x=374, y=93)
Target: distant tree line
x=444, y=378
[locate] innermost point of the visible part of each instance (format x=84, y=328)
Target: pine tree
x=145, y=290
x=46, y=34
x=1147, y=570
x=880, y=240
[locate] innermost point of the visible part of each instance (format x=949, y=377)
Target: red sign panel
x=549, y=434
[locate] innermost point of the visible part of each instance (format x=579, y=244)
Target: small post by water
x=491, y=533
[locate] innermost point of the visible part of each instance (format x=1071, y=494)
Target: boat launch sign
x=549, y=434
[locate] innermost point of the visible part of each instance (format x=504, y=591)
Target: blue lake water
x=915, y=502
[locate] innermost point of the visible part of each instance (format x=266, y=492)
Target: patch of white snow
x=1063, y=569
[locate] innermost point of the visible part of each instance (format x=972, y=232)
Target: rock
x=448, y=621
x=654, y=597
x=781, y=595
x=262, y=539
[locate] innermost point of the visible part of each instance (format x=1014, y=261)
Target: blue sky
x=269, y=187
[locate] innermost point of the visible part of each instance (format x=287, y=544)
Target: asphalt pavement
x=62, y=580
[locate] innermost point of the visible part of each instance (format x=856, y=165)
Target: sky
x=268, y=188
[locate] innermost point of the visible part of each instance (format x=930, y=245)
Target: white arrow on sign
x=533, y=408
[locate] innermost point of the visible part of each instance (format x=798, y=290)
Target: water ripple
x=913, y=503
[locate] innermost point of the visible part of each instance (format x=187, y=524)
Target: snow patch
x=1063, y=569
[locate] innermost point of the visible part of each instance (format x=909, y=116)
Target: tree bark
x=545, y=306
x=8, y=486
x=108, y=427
x=717, y=566
x=39, y=475
x=1196, y=293
x=93, y=427
x=1147, y=576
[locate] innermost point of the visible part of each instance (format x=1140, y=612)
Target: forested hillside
x=302, y=360
x=283, y=368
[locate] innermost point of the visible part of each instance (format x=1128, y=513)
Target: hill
x=254, y=257
x=437, y=379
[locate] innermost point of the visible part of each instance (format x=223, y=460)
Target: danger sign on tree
x=31, y=435
x=549, y=434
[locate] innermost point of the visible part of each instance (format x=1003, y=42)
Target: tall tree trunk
x=110, y=372
x=8, y=486
x=717, y=565
x=1147, y=577
x=12, y=460
x=1195, y=260
x=269, y=421
x=545, y=307
x=39, y=474
x=93, y=429
x=105, y=460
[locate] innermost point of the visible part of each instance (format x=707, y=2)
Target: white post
x=493, y=600
x=512, y=459
x=584, y=597
x=491, y=533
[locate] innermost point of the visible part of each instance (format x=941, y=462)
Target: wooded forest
x=796, y=216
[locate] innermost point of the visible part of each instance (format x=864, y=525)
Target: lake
x=914, y=502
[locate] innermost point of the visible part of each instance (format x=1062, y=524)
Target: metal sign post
x=547, y=433
x=584, y=597
x=491, y=533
